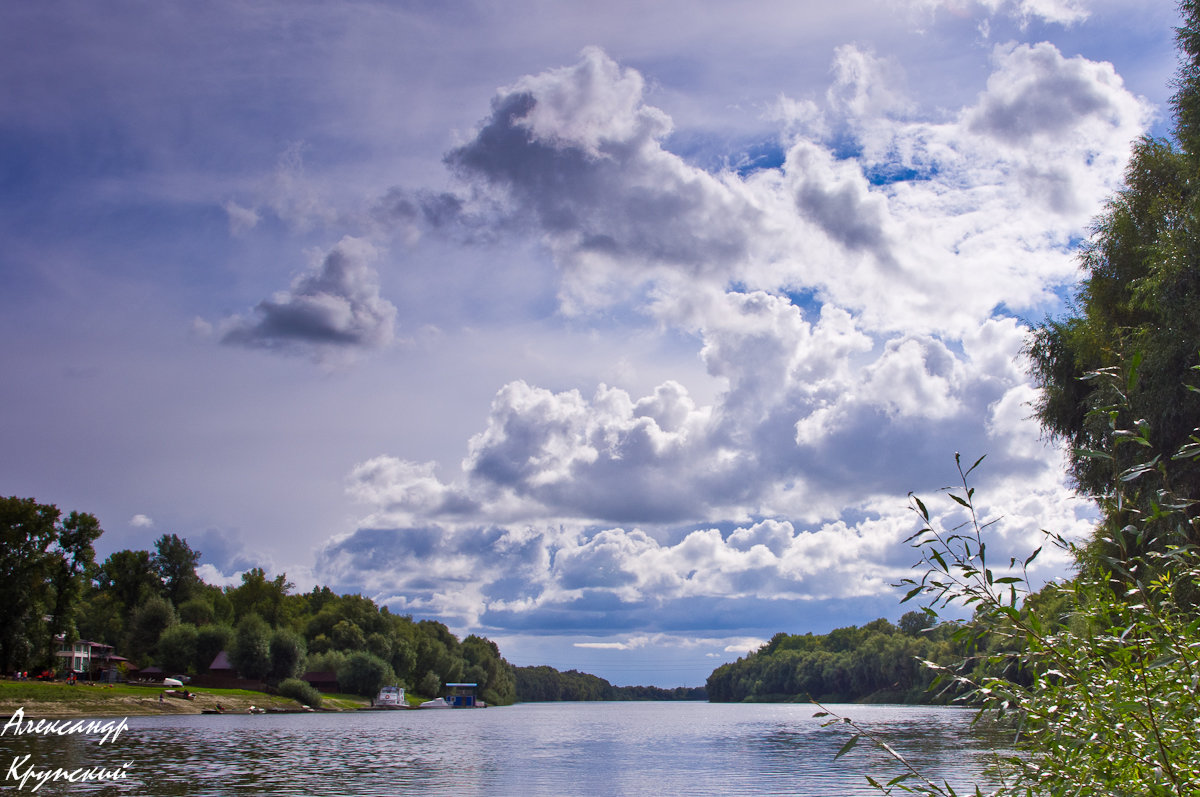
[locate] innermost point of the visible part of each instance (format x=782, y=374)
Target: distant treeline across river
x=542, y=683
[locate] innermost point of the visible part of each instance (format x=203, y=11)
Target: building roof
x=319, y=675
x=221, y=662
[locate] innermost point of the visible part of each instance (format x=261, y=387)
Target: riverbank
x=39, y=699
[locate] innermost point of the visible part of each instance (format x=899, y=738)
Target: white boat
x=437, y=702
x=390, y=697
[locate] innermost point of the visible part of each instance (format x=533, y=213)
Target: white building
x=83, y=656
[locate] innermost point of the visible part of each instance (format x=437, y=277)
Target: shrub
x=363, y=674
x=1104, y=697
x=301, y=691
x=176, y=648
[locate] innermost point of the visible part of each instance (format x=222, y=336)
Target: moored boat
x=437, y=702
x=390, y=697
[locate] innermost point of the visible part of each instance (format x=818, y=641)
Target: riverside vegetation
x=1098, y=674
x=153, y=609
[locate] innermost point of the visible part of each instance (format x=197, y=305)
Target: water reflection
x=534, y=749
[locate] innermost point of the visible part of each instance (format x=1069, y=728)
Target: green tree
x=287, y=655
x=363, y=674
x=68, y=573
x=404, y=657
x=429, y=685
x=1135, y=307
x=175, y=563
x=914, y=622
x=197, y=611
x=147, y=624
x=129, y=577
x=495, y=676
x=176, y=648
x=101, y=618
x=27, y=531
x=251, y=652
x=264, y=597
x=348, y=636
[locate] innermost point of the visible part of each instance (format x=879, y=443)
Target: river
x=525, y=751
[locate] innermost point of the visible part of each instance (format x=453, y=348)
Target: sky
x=617, y=333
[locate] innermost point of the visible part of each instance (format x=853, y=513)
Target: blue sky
x=616, y=334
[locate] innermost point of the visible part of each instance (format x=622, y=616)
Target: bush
x=301, y=691
x=430, y=685
x=176, y=648
x=363, y=674
x=1104, y=697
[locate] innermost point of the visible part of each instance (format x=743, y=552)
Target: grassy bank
x=109, y=700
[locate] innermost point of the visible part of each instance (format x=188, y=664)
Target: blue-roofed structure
x=463, y=696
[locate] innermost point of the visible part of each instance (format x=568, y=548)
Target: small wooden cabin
x=322, y=681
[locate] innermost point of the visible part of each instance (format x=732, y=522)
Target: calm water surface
x=526, y=750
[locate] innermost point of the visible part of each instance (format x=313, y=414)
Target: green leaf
x=921, y=508
x=1135, y=363
x=848, y=746
x=976, y=465
x=1136, y=473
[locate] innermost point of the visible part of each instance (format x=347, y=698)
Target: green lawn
x=59, y=698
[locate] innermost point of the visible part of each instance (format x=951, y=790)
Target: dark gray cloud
x=576, y=153
x=337, y=305
x=1041, y=93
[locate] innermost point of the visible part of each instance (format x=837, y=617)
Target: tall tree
x=128, y=576
x=68, y=571
x=1135, y=315
x=251, y=651
x=262, y=596
x=27, y=531
x=146, y=626
x=175, y=562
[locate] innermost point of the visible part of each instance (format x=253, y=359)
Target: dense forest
x=540, y=684
x=882, y=662
x=153, y=609
x=878, y=662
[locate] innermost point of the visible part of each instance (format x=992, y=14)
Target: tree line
x=545, y=684
x=153, y=609
x=879, y=662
